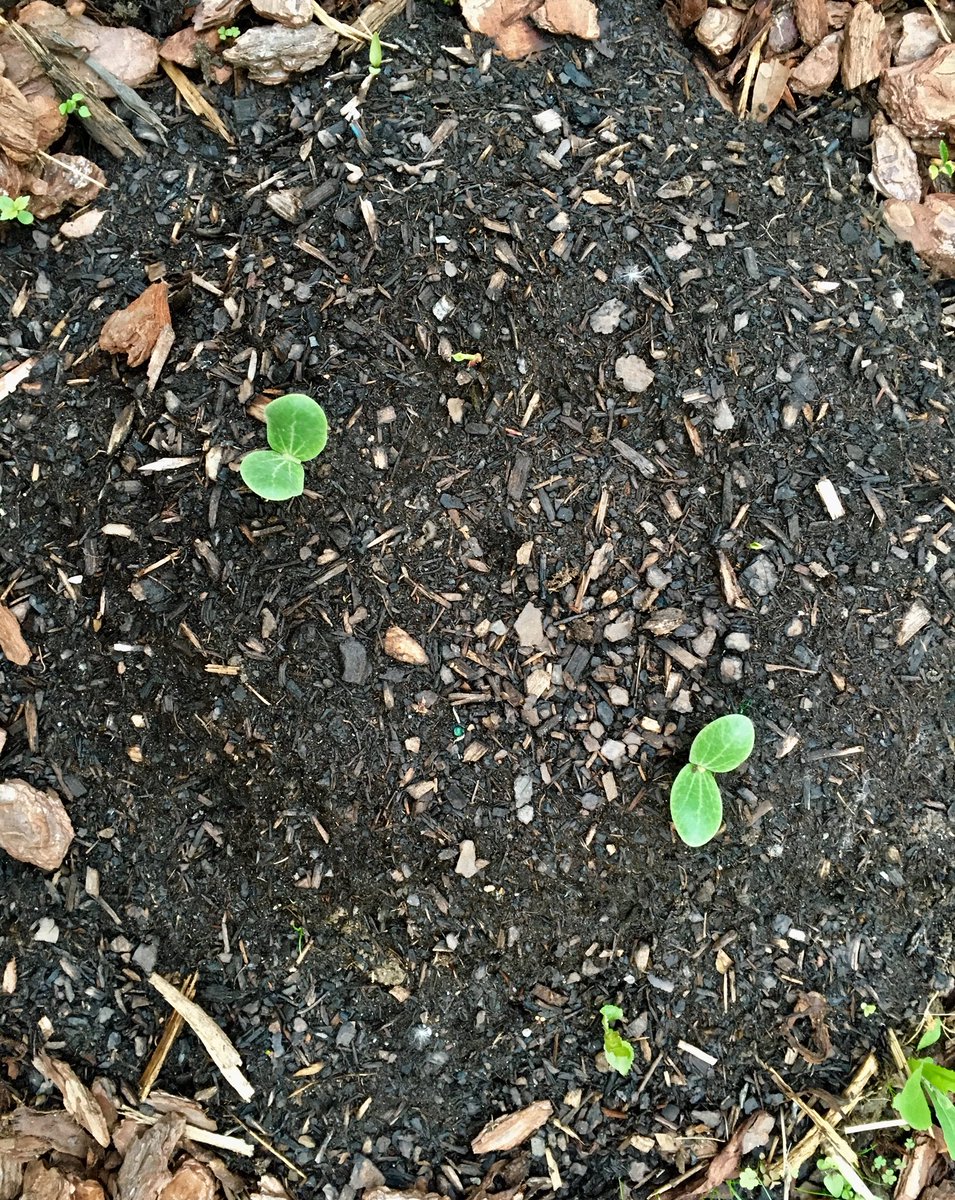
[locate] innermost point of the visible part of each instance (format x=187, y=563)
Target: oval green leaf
x=944, y=1115
x=911, y=1104
x=296, y=426
x=272, y=476
x=696, y=805
x=724, y=743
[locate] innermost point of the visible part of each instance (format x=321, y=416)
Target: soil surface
x=262, y=795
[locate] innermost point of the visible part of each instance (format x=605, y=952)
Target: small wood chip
x=402, y=647
x=913, y=622
x=78, y=1100
x=830, y=499
x=11, y=639
x=218, y=1047
x=504, y=1133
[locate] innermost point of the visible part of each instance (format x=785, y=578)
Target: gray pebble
x=760, y=576
x=738, y=641
x=703, y=643
x=731, y=669
x=354, y=661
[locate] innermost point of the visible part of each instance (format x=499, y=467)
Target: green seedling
x=834, y=1181
x=463, y=357
x=297, y=429
x=696, y=805
x=749, y=1179
x=617, y=1050
x=374, y=55
x=226, y=32
x=15, y=210
x=943, y=165
x=928, y=1090
x=869, y=1010
x=75, y=104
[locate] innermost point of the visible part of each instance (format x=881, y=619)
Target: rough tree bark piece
x=506, y=22
x=768, y=87
x=272, y=53
x=192, y=1181
x=130, y=54
x=812, y=20
x=144, y=1172
x=818, y=70
x=210, y=14
x=11, y=639
x=576, y=17
x=18, y=136
x=402, y=647
x=50, y=122
x=929, y=227
x=294, y=13
x=718, y=30
x=134, y=330
x=895, y=167
x=181, y=47
x=63, y=179
x=78, y=1100
x=920, y=38
x=865, y=48
x=34, y=826
x=920, y=97
x=504, y=1133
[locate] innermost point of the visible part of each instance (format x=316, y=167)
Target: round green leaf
x=724, y=743
x=696, y=805
x=296, y=426
x=272, y=476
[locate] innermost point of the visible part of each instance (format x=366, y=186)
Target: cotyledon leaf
x=272, y=476
x=724, y=743
x=696, y=805
x=296, y=426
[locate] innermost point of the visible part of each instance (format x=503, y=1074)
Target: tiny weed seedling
x=75, y=104
x=928, y=1089
x=462, y=356
x=617, y=1050
x=297, y=430
x=226, y=32
x=834, y=1181
x=374, y=55
x=15, y=210
x=696, y=805
x=943, y=165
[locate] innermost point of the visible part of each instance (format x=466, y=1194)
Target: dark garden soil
x=263, y=795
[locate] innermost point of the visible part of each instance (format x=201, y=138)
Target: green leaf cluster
x=696, y=805
x=226, y=32
x=928, y=1089
x=297, y=430
x=945, y=165
x=75, y=104
x=617, y=1050
x=15, y=209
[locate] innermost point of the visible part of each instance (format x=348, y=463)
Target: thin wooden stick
x=171, y=1031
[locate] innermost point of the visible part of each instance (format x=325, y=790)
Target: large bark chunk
x=719, y=30
x=576, y=17
x=18, y=136
x=818, y=70
x=812, y=20
x=920, y=97
x=506, y=22
x=865, y=49
x=920, y=38
x=272, y=53
x=929, y=227
x=895, y=168
x=131, y=55
x=294, y=13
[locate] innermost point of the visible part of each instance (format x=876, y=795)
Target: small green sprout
x=75, y=104
x=696, y=805
x=300, y=933
x=928, y=1090
x=834, y=1181
x=617, y=1050
x=463, y=357
x=943, y=165
x=374, y=55
x=749, y=1179
x=16, y=210
x=869, y=1010
x=226, y=32
x=297, y=430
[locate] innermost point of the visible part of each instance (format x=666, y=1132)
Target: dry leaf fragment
x=78, y=1100
x=504, y=1133
x=219, y=1048
x=402, y=647
x=811, y=1006
x=34, y=826
x=11, y=639
x=83, y=225
x=134, y=330
x=768, y=87
x=749, y=1136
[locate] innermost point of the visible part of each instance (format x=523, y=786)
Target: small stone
x=293, y=13
x=613, y=751
x=354, y=661
x=760, y=576
x=794, y=628
x=702, y=644
x=658, y=579
x=525, y=814
x=619, y=631
x=607, y=317
x=737, y=641
x=468, y=863
x=365, y=1174
x=529, y=628
x=683, y=702
x=723, y=418
x=731, y=669
x=618, y=696
x=633, y=373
